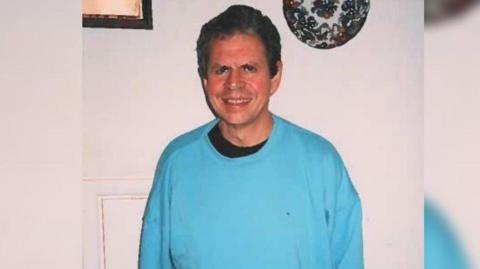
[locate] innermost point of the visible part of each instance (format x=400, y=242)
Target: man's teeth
x=237, y=101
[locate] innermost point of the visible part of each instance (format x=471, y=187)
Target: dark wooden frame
x=127, y=22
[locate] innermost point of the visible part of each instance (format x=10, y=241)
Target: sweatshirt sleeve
x=346, y=233
x=155, y=239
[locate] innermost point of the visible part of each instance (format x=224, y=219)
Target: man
x=249, y=189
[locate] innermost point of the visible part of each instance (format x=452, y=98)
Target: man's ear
x=204, y=83
x=203, y=80
x=204, y=86
x=275, y=80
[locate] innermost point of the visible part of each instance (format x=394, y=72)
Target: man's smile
x=237, y=101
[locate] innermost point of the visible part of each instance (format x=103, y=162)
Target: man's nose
x=235, y=80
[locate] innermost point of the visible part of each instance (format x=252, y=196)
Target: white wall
x=40, y=137
x=452, y=129
x=141, y=89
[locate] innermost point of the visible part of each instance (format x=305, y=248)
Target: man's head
x=240, y=68
x=239, y=19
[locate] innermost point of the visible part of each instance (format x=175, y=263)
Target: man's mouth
x=236, y=101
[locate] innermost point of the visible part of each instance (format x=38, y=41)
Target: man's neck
x=247, y=135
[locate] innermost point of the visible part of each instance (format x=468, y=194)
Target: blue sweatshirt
x=441, y=247
x=291, y=205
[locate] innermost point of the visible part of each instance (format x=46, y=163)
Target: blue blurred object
x=441, y=247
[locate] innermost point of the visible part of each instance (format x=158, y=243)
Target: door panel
x=113, y=211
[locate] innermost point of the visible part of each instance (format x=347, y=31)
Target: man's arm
x=155, y=238
x=347, y=240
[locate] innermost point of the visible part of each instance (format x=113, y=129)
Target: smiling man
x=249, y=189
x=239, y=85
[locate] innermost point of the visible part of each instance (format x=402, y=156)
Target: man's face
x=238, y=83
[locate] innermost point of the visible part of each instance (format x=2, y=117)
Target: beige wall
x=141, y=89
x=40, y=137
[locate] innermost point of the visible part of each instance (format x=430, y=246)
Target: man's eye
x=249, y=68
x=221, y=70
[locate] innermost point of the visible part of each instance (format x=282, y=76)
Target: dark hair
x=243, y=19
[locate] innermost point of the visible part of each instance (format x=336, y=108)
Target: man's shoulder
x=186, y=140
x=308, y=138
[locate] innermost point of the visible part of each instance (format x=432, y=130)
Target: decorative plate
x=325, y=24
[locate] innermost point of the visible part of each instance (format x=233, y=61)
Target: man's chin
x=234, y=121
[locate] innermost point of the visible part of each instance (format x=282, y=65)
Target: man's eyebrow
x=250, y=63
x=217, y=65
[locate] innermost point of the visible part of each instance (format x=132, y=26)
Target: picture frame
x=125, y=14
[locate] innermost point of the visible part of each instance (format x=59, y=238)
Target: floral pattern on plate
x=325, y=24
